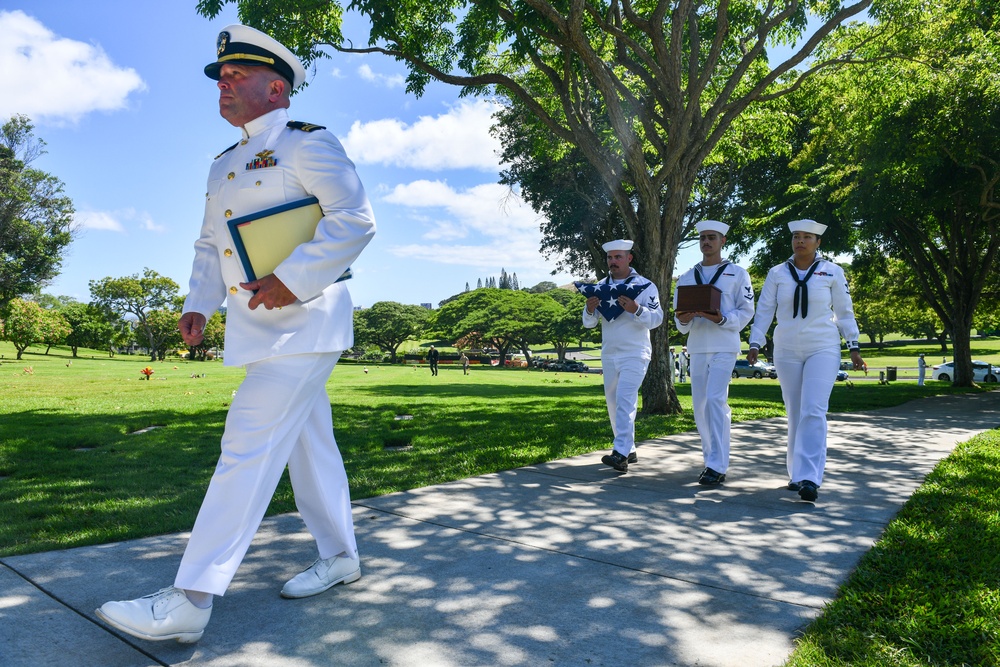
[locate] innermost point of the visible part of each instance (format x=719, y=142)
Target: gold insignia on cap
x=222, y=42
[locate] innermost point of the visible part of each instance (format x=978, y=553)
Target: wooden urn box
x=698, y=298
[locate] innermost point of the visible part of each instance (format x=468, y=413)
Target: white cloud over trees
x=54, y=79
x=458, y=139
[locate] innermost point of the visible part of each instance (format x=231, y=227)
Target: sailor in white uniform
x=287, y=328
x=714, y=343
x=810, y=298
x=625, y=348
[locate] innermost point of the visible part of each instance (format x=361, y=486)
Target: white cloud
x=116, y=221
x=458, y=139
x=97, y=220
x=47, y=77
x=498, y=228
x=147, y=223
x=388, y=81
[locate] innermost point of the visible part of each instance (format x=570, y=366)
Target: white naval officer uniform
x=625, y=355
x=806, y=353
x=713, y=349
x=281, y=413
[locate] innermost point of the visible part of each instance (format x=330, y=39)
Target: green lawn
x=78, y=466
x=928, y=593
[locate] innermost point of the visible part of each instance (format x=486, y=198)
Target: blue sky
x=131, y=125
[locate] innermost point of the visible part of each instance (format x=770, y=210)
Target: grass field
x=90, y=452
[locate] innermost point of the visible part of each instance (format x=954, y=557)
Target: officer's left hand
x=628, y=304
x=858, y=361
x=271, y=293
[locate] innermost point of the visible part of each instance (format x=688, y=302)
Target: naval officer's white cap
x=620, y=244
x=807, y=226
x=247, y=46
x=712, y=226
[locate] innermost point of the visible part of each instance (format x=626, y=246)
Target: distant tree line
x=124, y=313
x=505, y=319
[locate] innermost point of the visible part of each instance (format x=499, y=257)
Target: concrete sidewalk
x=565, y=563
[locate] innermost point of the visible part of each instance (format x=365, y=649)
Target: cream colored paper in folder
x=269, y=240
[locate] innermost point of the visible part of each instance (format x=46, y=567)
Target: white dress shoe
x=166, y=614
x=322, y=575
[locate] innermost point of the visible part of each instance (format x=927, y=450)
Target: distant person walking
x=921, y=370
x=809, y=296
x=432, y=357
x=465, y=364
x=626, y=349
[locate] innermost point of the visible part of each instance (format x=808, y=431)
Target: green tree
x=565, y=326
x=161, y=328
x=138, y=296
x=500, y=318
x=35, y=217
x=671, y=78
x=541, y=288
x=55, y=329
x=908, y=151
x=23, y=324
x=90, y=327
x=388, y=325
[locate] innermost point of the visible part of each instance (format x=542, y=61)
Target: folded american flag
x=609, y=293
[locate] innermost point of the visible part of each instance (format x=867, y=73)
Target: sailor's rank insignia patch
x=305, y=127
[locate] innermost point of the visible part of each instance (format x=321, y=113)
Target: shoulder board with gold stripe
x=305, y=127
x=227, y=150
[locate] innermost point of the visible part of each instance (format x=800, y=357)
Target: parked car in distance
x=743, y=369
x=841, y=376
x=981, y=372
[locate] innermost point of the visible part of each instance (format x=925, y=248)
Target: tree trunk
x=961, y=342
x=660, y=235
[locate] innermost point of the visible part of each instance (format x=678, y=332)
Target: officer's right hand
x=592, y=304
x=192, y=327
x=752, y=356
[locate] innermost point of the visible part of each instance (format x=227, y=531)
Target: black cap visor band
x=248, y=54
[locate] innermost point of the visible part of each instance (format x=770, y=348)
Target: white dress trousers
x=622, y=378
x=280, y=415
x=806, y=380
x=710, y=376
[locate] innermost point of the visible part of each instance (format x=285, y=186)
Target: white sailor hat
x=712, y=226
x=620, y=244
x=807, y=226
x=247, y=46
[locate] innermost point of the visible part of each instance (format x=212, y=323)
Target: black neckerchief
x=718, y=272
x=801, y=288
